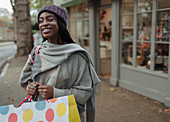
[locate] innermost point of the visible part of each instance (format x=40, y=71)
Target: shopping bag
x=61, y=109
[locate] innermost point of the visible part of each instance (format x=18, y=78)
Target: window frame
x=153, y=32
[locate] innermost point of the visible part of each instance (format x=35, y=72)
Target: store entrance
x=105, y=42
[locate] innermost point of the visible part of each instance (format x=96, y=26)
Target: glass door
x=105, y=24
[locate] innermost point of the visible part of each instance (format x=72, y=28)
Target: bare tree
x=23, y=25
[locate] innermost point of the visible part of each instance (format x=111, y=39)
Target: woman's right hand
x=32, y=88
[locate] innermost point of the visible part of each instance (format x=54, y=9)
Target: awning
x=68, y=3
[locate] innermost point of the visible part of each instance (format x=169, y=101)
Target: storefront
x=128, y=41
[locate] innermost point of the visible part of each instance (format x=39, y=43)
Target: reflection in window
x=163, y=26
x=144, y=27
x=79, y=11
x=144, y=5
x=127, y=6
x=127, y=53
x=85, y=10
x=79, y=24
x=127, y=28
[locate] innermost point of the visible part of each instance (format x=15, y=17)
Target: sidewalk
x=114, y=104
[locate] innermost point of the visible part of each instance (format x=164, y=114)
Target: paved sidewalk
x=114, y=104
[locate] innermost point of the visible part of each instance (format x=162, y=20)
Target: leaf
x=160, y=110
x=145, y=98
x=112, y=89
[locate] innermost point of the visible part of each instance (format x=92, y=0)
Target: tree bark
x=24, y=27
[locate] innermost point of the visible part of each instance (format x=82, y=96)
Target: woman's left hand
x=46, y=91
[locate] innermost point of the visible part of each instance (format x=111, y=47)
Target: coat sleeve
x=26, y=72
x=25, y=75
x=80, y=75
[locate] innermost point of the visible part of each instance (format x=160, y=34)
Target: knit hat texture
x=57, y=10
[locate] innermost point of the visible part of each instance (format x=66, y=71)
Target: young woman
x=61, y=67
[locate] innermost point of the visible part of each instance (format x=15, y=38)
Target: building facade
x=128, y=41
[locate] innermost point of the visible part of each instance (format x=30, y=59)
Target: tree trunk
x=24, y=27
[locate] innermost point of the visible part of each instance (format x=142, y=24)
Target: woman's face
x=48, y=26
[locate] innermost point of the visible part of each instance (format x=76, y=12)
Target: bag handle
x=36, y=52
x=30, y=96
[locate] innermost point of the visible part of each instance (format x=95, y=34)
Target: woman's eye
x=50, y=20
x=40, y=21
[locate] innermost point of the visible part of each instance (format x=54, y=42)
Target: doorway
x=105, y=24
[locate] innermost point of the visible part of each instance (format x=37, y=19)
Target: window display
x=144, y=34
x=163, y=26
x=144, y=26
x=80, y=24
x=162, y=37
x=127, y=53
x=127, y=31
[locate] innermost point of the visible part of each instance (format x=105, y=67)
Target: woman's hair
x=63, y=32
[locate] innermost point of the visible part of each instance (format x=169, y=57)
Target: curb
x=6, y=43
x=4, y=62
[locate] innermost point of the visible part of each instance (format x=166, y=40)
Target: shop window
x=143, y=55
x=127, y=32
x=162, y=36
x=163, y=4
x=163, y=26
x=161, y=57
x=145, y=5
x=105, y=2
x=127, y=28
x=144, y=38
x=144, y=21
x=127, y=53
x=127, y=6
x=79, y=24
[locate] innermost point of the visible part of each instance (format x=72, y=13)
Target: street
x=7, y=51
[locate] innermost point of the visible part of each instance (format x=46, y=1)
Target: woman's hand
x=32, y=88
x=46, y=91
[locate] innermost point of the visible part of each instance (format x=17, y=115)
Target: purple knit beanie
x=57, y=10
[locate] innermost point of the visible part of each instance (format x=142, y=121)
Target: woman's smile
x=46, y=30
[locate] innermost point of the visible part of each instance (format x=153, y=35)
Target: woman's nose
x=44, y=22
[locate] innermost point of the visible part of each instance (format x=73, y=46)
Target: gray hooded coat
x=68, y=69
